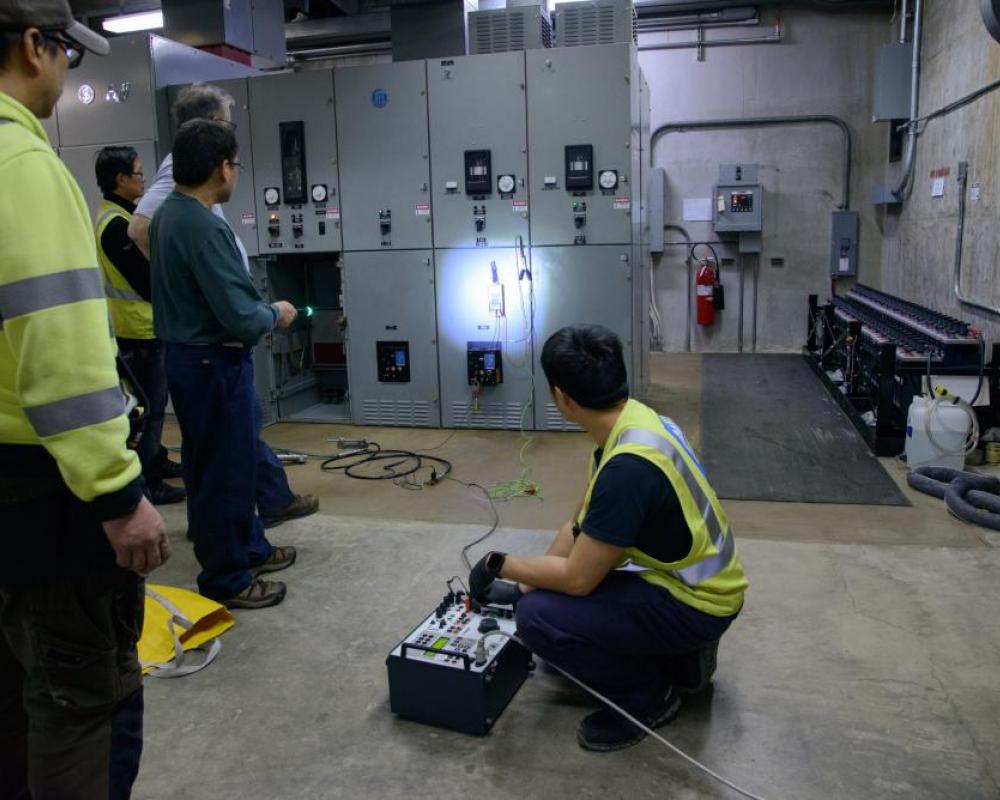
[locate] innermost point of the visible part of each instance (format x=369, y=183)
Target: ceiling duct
x=654, y=7
x=251, y=32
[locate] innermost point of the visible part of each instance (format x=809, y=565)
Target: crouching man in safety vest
x=645, y=575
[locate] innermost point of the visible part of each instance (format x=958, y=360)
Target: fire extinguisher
x=706, y=281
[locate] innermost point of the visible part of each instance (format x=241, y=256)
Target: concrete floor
x=864, y=664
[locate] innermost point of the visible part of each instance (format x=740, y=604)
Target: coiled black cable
x=372, y=463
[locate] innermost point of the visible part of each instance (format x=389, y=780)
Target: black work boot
x=607, y=730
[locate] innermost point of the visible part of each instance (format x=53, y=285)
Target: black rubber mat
x=771, y=431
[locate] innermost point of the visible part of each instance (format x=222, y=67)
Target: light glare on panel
x=129, y=23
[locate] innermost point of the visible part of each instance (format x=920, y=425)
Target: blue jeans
x=273, y=492
x=619, y=638
x=213, y=392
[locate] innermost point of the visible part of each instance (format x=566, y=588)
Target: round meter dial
x=319, y=193
x=608, y=179
x=505, y=184
x=271, y=196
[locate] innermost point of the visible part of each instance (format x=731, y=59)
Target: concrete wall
x=824, y=66
x=919, y=249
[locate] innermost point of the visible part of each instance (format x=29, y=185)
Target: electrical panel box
x=393, y=361
x=295, y=163
x=583, y=122
x=485, y=364
x=384, y=156
x=572, y=285
x=477, y=124
x=485, y=320
x=656, y=201
x=391, y=338
x=739, y=200
x=844, y=244
x=893, y=79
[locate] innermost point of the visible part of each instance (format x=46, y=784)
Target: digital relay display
x=741, y=202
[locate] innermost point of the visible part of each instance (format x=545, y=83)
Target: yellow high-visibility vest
x=131, y=316
x=710, y=578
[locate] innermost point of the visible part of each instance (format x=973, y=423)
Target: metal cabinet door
x=311, y=226
x=581, y=96
x=575, y=285
x=384, y=164
x=389, y=298
x=478, y=103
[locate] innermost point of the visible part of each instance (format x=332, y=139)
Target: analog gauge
x=505, y=184
x=319, y=193
x=271, y=196
x=608, y=179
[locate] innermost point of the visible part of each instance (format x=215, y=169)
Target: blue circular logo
x=380, y=98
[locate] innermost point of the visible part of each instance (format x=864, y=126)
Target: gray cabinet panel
x=389, y=305
x=465, y=289
x=478, y=103
x=292, y=111
x=384, y=156
x=582, y=96
x=575, y=285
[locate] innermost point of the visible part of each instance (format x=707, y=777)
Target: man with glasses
x=210, y=315
x=276, y=502
x=127, y=284
x=71, y=492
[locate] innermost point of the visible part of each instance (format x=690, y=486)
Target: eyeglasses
x=237, y=164
x=229, y=122
x=74, y=50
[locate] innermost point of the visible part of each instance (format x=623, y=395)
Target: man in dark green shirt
x=209, y=315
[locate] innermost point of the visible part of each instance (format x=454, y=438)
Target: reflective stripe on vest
x=713, y=565
x=131, y=314
x=109, y=290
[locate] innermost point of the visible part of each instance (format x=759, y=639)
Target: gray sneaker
x=259, y=594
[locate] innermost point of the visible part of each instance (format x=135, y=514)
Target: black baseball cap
x=50, y=15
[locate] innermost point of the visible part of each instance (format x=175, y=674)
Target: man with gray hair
x=276, y=502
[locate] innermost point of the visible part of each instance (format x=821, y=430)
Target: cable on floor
x=372, y=463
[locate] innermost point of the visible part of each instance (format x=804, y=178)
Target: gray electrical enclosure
x=384, y=156
x=574, y=285
x=893, y=79
x=656, y=200
x=391, y=338
x=295, y=163
x=595, y=22
x=844, y=244
x=501, y=30
x=739, y=200
x=479, y=161
x=583, y=128
x=480, y=311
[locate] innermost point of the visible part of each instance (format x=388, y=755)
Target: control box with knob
x=459, y=668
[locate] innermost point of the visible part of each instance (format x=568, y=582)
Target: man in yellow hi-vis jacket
x=645, y=575
x=71, y=501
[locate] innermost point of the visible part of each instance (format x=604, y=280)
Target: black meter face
x=478, y=172
x=579, y=167
x=293, y=161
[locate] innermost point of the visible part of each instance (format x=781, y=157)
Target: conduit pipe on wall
x=767, y=122
x=963, y=183
x=902, y=190
x=772, y=38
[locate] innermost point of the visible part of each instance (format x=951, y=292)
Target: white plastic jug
x=936, y=434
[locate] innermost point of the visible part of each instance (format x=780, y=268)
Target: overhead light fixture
x=129, y=23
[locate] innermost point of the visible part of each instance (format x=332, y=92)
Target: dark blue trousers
x=273, y=492
x=619, y=638
x=145, y=359
x=213, y=392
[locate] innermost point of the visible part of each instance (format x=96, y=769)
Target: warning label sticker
x=518, y=206
x=622, y=203
x=422, y=209
x=248, y=218
x=332, y=212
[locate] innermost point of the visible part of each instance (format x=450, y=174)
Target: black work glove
x=483, y=573
x=503, y=593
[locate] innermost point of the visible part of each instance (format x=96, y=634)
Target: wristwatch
x=495, y=562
